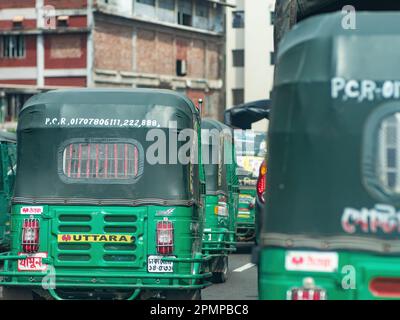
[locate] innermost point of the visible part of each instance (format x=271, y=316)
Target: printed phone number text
x=100, y=122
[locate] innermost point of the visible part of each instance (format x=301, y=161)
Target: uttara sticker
x=381, y=218
x=115, y=238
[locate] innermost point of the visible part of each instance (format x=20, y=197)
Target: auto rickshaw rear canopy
x=330, y=90
x=215, y=169
x=50, y=122
x=290, y=12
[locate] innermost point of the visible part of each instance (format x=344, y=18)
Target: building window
x=185, y=13
x=181, y=68
x=62, y=21
x=99, y=161
x=237, y=96
x=166, y=4
x=202, y=10
x=238, y=58
x=272, y=57
x=272, y=17
x=13, y=104
x=18, y=22
x=148, y=2
x=238, y=19
x=13, y=46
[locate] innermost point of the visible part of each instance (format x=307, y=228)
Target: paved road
x=242, y=279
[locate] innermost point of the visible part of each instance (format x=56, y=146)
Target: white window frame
x=383, y=170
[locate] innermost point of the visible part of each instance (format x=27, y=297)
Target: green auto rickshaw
x=250, y=152
x=8, y=161
x=105, y=206
x=332, y=220
x=221, y=202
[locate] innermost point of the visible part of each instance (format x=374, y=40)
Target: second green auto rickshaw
x=221, y=202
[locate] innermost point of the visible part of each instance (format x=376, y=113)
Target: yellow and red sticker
x=114, y=238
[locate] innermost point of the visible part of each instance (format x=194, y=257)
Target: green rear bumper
x=105, y=279
x=218, y=243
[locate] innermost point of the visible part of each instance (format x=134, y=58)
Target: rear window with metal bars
x=101, y=161
x=388, y=164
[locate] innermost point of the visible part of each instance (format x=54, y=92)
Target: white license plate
x=154, y=264
x=33, y=262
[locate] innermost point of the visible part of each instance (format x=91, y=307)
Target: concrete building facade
x=249, y=51
x=174, y=44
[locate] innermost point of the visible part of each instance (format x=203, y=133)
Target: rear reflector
x=385, y=287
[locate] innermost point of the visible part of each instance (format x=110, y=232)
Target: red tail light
x=165, y=237
x=30, y=235
x=261, y=182
x=385, y=287
x=307, y=292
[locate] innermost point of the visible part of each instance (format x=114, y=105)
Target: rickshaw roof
x=326, y=26
x=8, y=136
x=111, y=96
x=211, y=169
x=312, y=42
x=43, y=146
x=214, y=124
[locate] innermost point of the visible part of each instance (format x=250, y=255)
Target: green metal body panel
x=325, y=192
x=275, y=280
x=219, y=230
x=116, y=265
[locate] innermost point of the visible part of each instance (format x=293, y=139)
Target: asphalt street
x=242, y=278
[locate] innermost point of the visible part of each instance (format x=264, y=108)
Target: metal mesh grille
x=100, y=161
x=98, y=254
x=165, y=237
x=30, y=235
x=388, y=164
